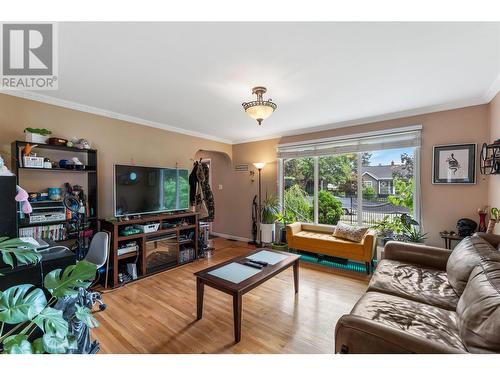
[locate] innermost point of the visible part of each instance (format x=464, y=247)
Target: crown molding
x=110, y=114
x=484, y=99
x=373, y=119
x=493, y=90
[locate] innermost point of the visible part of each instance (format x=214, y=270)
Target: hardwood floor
x=158, y=314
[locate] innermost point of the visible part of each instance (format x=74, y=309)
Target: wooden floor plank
x=158, y=314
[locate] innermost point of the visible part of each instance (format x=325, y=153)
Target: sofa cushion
x=325, y=243
x=349, y=232
x=479, y=309
x=464, y=258
x=426, y=285
x=414, y=318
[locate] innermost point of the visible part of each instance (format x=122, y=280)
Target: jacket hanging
x=204, y=173
x=193, y=180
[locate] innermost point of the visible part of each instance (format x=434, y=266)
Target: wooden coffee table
x=237, y=290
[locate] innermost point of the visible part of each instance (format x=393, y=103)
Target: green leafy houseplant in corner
x=29, y=321
x=269, y=214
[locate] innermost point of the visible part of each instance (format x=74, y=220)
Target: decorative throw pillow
x=349, y=232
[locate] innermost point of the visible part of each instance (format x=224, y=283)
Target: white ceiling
x=193, y=77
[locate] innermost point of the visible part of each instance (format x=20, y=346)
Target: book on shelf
x=55, y=232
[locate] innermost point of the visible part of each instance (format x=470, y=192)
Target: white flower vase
x=267, y=233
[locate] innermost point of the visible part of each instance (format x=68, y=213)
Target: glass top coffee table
x=236, y=278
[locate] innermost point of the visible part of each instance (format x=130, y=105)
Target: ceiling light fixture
x=259, y=109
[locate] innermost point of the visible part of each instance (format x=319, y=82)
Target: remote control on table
x=254, y=265
x=259, y=262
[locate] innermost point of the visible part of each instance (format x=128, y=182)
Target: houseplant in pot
x=411, y=230
x=387, y=229
x=282, y=219
x=269, y=214
x=37, y=135
x=54, y=319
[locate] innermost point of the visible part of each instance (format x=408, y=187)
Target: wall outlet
x=220, y=186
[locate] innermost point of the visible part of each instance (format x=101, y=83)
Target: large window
x=298, y=186
x=374, y=183
x=388, y=189
x=338, y=187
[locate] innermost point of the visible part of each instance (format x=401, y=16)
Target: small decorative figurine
x=27, y=149
x=82, y=143
x=76, y=161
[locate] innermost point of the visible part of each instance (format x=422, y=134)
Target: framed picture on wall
x=454, y=164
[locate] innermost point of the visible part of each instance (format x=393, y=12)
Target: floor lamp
x=259, y=167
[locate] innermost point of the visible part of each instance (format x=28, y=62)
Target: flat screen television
x=145, y=190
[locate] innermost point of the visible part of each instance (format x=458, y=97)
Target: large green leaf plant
x=29, y=324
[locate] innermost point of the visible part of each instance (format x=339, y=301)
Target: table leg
x=237, y=306
x=296, y=275
x=200, y=287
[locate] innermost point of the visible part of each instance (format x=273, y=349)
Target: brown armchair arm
x=357, y=335
x=429, y=256
x=369, y=244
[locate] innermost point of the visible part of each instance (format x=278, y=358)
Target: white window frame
x=360, y=184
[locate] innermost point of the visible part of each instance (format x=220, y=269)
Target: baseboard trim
x=230, y=237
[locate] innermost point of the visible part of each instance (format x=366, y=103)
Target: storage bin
x=32, y=162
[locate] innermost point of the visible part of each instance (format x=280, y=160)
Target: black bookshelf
x=90, y=171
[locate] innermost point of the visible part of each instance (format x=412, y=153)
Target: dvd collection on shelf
x=186, y=255
x=55, y=232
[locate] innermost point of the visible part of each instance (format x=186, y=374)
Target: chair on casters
x=98, y=255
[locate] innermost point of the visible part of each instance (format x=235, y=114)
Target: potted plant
x=37, y=135
x=269, y=214
x=54, y=319
x=282, y=246
x=282, y=219
x=386, y=229
x=411, y=230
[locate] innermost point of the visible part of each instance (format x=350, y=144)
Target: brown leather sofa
x=425, y=299
x=319, y=239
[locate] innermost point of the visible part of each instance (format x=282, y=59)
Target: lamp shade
x=259, y=109
x=259, y=112
x=259, y=165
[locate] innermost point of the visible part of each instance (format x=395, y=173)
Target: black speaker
x=8, y=207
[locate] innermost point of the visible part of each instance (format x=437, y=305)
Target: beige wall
x=221, y=183
x=116, y=141
x=442, y=205
x=244, y=189
x=123, y=142
x=494, y=181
